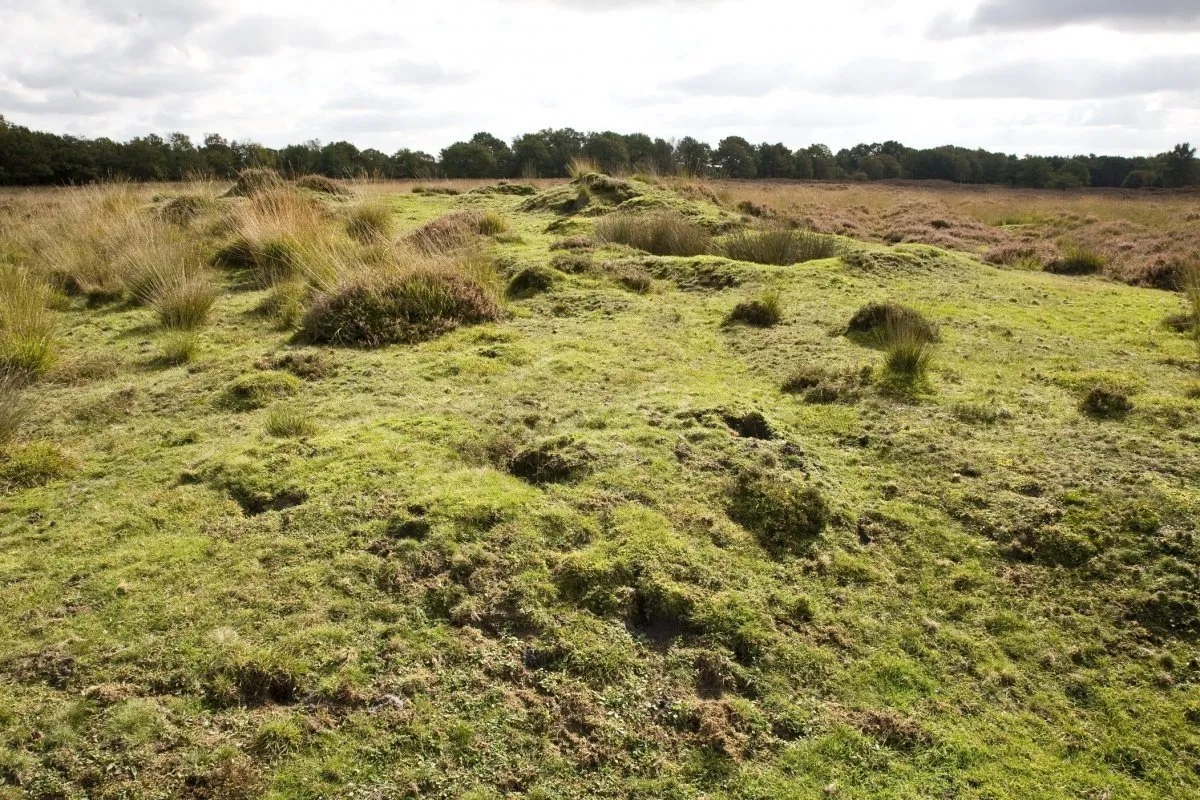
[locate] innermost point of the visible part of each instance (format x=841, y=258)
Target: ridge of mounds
x=323, y=185
x=456, y=229
x=594, y=190
x=909, y=258
x=506, y=188
x=256, y=180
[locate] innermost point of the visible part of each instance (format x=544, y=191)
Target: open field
x=356, y=492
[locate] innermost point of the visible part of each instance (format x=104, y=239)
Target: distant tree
x=736, y=158
x=692, y=156
x=774, y=161
x=1179, y=165
x=824, y=165
x=373, y=163
x=338, y=160
x=608, y=150
x=468, y=160
x=300, y=159
x=664, y=157
x=218, y=156
x=639, y=149
x=531, y=157
x=501, y=154
x=412, y=164
x=802, y=165
x=1034, y=172
x=1071, y=175
x=565, y=145
x=1140, y=179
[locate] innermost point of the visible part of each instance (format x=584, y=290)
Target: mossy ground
x=1003, y=603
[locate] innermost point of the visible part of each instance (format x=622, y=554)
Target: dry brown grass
x=1143, y=236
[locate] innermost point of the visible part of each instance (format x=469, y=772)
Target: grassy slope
x=156, y=637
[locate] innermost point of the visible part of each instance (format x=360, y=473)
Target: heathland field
x=614, y=487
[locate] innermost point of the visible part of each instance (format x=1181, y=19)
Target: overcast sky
x=1036, y=76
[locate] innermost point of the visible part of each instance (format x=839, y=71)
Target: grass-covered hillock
x=561, y=521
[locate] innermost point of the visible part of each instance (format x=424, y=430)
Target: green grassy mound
x=591, y=540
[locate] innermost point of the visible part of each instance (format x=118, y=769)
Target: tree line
x=34, y=158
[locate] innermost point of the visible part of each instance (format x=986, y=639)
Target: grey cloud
x=734, y=81
x=1023, y=15
x=1075, y=79
x=261, y=35
x=91, y=73
x=54, y=103
x=410, y=72
x=178, y=15
x=389, y=122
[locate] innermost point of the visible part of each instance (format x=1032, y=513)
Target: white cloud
x=424, y=74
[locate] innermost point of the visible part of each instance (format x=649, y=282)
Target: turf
x=504, y=562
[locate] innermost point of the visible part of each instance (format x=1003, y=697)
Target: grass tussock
x=258, y=389
x=785, y=517
x=288, y=421
x=1077, y=259
x=370, y=220
x=1189, y=280
x=873, y=319
x=908, y=350
x=35, y=464
x=529, y=282
x=763, y=311
x=582, y=165
x=660, y=233
x=282, y=235
x=782, y=246
x=15, y=407
x=177, y=348
x=27, y=325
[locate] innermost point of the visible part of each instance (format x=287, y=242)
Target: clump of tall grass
x=14, y=407
x=254, y=180
x=661, y=233
x=79, y=245
x=27, y=324
x=1077, y=259
x=164, y=270
x=780, y=246
x=322, y=185
x=763, y=311
x=582, y=165
x=177, y=347
x=1189, y=281
x=875, y=317
x=908, y=351
x=287, y=421
x=283, y=235
x=369, y=220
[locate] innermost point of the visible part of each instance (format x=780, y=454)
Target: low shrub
x=530, y=281
x=289, y=421
x=573, y=262
x=14, y=407
x=1077, y=259
x=369, y=221
x=822, y=386
x=763, y=311
x=784, y=516
x=456, y=230
x=34, y=465
x=411, y=307
x=660, y=233
x=781, y=246
x=322, y=185
x=445, y=190
x=634, y=279
x=258, y=390
x=1104, y=400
